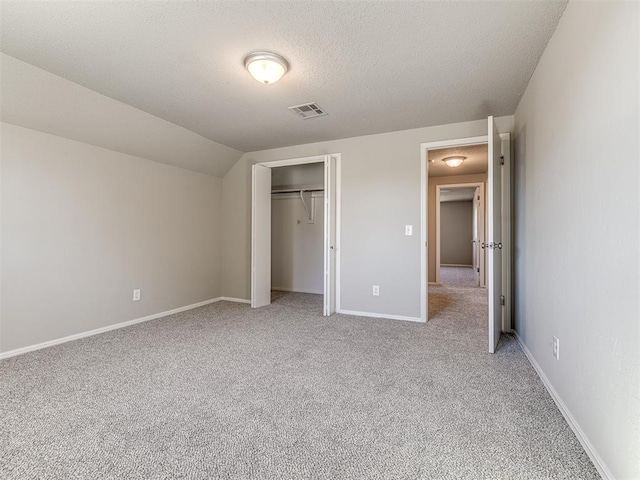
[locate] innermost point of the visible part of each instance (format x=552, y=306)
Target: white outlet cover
x=376, y=290
x=136, y=295
x=556, y=348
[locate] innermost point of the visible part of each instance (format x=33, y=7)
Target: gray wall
x=380, y=195
x=297, y=247
x=456, y=233
x=577, y=224
x=83, y=226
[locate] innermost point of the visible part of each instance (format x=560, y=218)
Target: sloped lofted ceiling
x=373, y=66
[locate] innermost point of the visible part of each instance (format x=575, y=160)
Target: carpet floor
x=458, y=276
x=227, y=392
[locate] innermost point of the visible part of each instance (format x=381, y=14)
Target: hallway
x=459, y=304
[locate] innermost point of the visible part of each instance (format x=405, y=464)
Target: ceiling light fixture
x=266, y=67
x=454, y=162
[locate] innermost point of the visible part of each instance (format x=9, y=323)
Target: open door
x=494, y=235
x=261, y=236
x=330, y=186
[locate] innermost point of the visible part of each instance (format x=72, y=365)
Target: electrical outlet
x=408, y=230
x=556, y=348
x=376, y=290
x=136, y=295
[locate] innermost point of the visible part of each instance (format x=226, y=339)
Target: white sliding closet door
x=330, y=188
x=261, y=237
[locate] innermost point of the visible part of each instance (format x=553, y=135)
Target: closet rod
x=297, y=190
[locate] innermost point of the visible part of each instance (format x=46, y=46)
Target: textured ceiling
x=476, y=161
x=374, y=66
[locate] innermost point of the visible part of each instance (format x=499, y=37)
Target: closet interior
x=297, y=228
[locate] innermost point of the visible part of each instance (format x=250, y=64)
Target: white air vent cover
x=308, y=110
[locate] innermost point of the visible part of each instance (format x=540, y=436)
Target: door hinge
x=501, y=299
x=501, y=159
x=478, y=269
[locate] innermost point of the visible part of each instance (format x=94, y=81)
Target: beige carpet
x=458, y=277
x=227, y=392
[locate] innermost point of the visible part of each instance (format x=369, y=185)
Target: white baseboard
x=298, y=290
x=237, y=300
x=455, y=265
x=602, y=468
x=381, y=315
x=78, y=336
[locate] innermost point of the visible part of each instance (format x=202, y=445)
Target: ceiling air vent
x=308, y=110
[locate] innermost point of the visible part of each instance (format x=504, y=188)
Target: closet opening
x=294, y=247
x=297, y=231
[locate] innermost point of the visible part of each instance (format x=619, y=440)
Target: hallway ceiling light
x=266, y=67
x=454, y=162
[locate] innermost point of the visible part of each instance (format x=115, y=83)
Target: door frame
x=507, y=234
x=506, y=219
x=301, y=161
x=481, y=235
x=424, y=209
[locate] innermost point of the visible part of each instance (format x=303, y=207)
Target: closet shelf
x=297, y=189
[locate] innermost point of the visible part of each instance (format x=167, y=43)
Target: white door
x=330, y=235
x=494, y=236
x=261, y=236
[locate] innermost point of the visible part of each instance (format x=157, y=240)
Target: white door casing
x=260, y=236
x=506, y=231
x=424, y=209
x=493, y=245
x=479, y=227
x=261, y=230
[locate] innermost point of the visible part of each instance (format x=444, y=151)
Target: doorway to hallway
x=496, y=245
x=459, y=304
x=458, y=277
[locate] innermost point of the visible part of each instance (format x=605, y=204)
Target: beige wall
x=433, y=182
x=380, y=195
x=456, y=233
x=83, y=226
x=577, y=224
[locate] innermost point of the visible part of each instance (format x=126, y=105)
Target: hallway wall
x=456, y=233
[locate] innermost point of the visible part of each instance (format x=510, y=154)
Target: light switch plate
x=408, y=230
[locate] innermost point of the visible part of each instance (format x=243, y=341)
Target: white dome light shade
x=454, y=162
x=266, y=67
